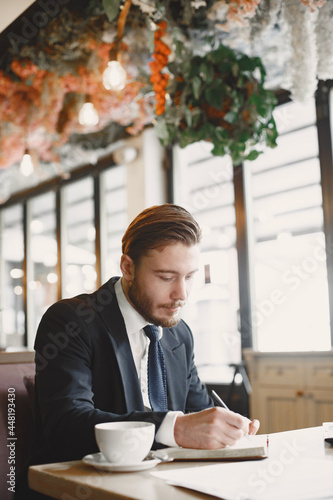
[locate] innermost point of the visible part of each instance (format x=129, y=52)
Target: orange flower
x=240, y=9
x=313, y=5
x=158, y=78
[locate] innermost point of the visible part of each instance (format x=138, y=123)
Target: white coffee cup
x=124, y=442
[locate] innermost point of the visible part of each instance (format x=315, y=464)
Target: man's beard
x=143, y=304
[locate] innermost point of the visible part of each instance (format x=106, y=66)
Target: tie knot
x=152, y=332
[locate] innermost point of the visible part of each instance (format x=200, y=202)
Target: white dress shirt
x=139, y=343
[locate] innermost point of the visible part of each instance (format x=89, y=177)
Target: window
x=291, y=308
x=12, y=313
x=204, y=185
x=42, y=286
x=114, y=217
x=79, y=238
x=86, y=217
x=285, y=262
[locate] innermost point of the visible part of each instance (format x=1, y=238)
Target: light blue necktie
x=157, y=387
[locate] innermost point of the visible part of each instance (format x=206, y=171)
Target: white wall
x=146, y=178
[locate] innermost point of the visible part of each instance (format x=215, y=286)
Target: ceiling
x=12, y=10
x=51, y=61
x=58, y=49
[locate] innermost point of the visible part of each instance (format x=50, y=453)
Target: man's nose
x=179, y=291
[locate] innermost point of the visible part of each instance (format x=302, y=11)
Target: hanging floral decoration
x=158, y=77
x=313, y=5
x=302, y=72
x=225, y=102
x=219, y=97
x=39, y=109
x=324, y=39
x=303, y=25
x=233, y=11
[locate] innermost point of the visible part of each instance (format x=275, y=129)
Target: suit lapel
x=129, y=374
x=115, y=325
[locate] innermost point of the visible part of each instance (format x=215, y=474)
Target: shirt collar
x=133, y=320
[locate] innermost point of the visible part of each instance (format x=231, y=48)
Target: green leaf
x=247, y=64
x=225, y=67
x=196, y=115
x=259, y=104
x=195, y=65
x=188, y=117
x=206, y=72
x=187, y=137
x=215, y=94
x=221, y=133
x=231, y=117
x=111, y=8
x=186, y=68
x=244, y=136
x=272, y=134
x=179, y=46
x=222, y=53
x=253, y=155
x=196, y=86
x=240, y=147
x=235, y=69
x=218, y=149
x=206, y=131
x=162, y=130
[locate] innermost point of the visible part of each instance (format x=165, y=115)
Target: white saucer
x=98, y=461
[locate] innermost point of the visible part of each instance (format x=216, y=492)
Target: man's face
x=162, y=282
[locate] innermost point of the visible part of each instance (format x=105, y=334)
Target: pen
x=221, y=403
x=218, y=400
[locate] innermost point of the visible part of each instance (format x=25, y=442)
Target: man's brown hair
x=157, y=227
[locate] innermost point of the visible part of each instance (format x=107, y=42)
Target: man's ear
x=127, y=268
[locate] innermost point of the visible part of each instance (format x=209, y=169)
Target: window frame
x=324, y=111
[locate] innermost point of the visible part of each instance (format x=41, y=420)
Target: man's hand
x=212, y=428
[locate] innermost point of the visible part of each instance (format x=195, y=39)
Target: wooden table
x=17, y=356
x=74, y=480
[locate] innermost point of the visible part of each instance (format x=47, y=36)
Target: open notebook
x=248, y=448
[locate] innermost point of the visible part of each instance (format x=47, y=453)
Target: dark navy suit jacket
x=86, y=375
